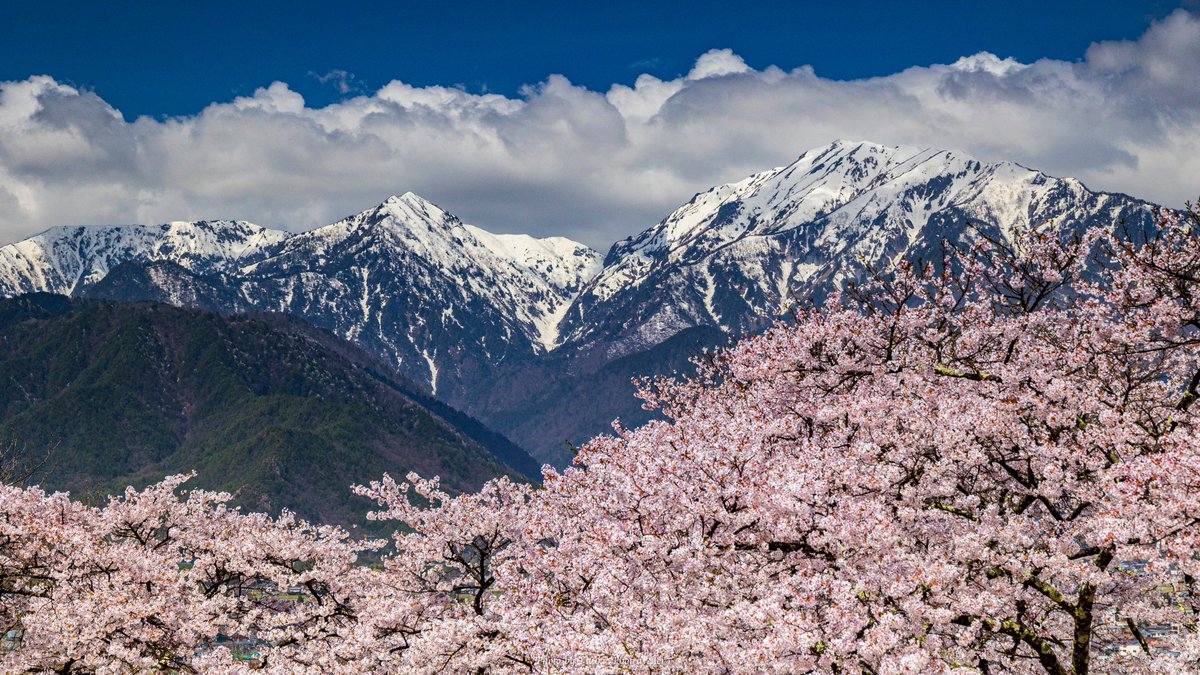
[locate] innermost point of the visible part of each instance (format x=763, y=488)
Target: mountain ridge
x=415, y=284
x=801, y=230
x=465, y=313
x=266, y=406
x=65, y=259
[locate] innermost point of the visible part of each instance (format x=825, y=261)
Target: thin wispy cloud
x=594, y=165
x=343, y=81
x=653, y=63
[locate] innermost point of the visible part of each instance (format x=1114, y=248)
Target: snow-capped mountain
x=67, y=260
x=539, y=337
x=738, y=255
x=440, y=299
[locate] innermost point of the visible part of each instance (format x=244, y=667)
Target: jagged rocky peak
x=405, y=221
x=548, y=265
x=740, y=253
x=412, y=202
x=851, y=177
x=423, y=228
x=819, y=181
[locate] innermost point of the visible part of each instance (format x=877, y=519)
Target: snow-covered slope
x=68, y=259
x=737, y=255
x=436, y=297
x=564, y=265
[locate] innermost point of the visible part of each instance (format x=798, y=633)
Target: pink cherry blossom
x=989, y=463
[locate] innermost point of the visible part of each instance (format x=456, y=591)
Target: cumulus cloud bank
x=596, y=166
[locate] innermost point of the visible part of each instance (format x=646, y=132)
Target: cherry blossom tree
x=153, y=580
x=989, y=463
x=452, y=584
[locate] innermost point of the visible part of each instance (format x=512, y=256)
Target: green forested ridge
x=117, y=394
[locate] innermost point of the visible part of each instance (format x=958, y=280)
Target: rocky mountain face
x=739, y=255
x=443, y=301
x=539, y=337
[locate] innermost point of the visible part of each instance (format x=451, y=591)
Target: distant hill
x=281, y=413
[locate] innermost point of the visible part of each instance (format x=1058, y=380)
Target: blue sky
x=590, y=120
x=174, y=58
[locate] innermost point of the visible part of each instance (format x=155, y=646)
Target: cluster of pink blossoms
x=986, y=464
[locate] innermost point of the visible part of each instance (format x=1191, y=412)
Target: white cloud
x=562, y=159
x=718, y=62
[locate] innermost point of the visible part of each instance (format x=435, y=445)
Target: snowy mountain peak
x=411, y=206
x=418, y=226
x=447, y=302
x=406, y=211
x=740, y=253
x=843, y=146
x=563, y=264
x=818, y=182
